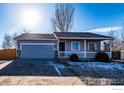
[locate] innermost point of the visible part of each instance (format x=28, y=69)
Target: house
x=60, y=45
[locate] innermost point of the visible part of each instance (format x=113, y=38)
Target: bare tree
x=111, y=33
x=7, y=43
x=122, y=38
x=116, y=43
x=62, y=20
x=14, y=35
x=122, y=33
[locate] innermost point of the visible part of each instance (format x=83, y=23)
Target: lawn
x=99, y=73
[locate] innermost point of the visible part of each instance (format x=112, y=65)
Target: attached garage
x=37, y=50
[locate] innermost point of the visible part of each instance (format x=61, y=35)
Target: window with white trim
x=92, y=46
x=75, y=46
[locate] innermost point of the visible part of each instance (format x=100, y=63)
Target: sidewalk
x=39, y=80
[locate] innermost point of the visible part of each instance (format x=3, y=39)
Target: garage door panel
x=38, y=51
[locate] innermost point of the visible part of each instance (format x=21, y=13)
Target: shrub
x=102, y=56
x=74, y=57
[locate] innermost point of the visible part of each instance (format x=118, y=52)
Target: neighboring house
x=60, y=45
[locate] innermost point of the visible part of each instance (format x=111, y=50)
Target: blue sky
x=87, y=17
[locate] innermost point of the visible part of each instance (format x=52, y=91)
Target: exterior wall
x=67, y=47
x=93, y=54
x=68, y=44
x=68, y=54
x=122, y=55
x=90, y=55
x=98, y=44
x=37, y=41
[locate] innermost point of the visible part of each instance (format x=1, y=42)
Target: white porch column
x=85, y=50
x=58, y=48
x=110, y=52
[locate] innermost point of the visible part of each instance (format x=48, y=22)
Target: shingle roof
x=80, y=35
x=62, y=35
x=36, y=37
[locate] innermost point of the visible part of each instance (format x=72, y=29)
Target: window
x=75, y=46
x=92, y=46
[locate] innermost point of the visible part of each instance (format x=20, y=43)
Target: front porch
x=85, y=49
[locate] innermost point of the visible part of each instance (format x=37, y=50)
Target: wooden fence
x=116, y=55
x=7, y=54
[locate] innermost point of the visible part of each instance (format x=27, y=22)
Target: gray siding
x=98, y=44
x=68, y=43
x=68, y=46
x=37, y=41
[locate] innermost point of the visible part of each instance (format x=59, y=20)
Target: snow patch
x=60, y=66
x=113, y=65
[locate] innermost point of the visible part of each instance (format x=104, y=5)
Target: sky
x=93, y=17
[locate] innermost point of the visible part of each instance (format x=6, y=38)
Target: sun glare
x=30, y=17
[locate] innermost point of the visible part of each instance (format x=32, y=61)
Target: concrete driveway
x=36, y=72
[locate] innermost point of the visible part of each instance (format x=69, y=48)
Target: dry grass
x=97, y=75
x=95, y=81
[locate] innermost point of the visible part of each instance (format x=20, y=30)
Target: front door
x=61, y=46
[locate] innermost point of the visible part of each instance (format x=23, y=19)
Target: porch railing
x=89, y=54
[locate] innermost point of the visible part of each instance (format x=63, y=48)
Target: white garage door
x=40, y=51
